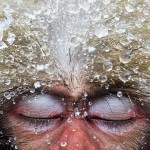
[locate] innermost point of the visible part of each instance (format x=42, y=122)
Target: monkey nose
x=75, y=136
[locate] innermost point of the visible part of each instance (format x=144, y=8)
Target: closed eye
x=112, y=113
x=113, y=124
x=40, y=124
x=38, y=112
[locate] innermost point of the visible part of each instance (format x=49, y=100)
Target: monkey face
x=74, y=75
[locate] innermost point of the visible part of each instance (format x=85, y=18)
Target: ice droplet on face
x=16, y=147
x=108, y=65
x=85, y=114
x=32, y=90
x=101, y=31
x=1, y=112
x=125, y=56
x=103, y=78
x=13, y=101
x=31, y=69
x=1, y=134
x=21, y=68
x=77, y=112
x=129, y=7
x=7, y=81
x=75, y=41
x=120, y=27
x=107, y=86
x=90, y=103
x=94, y=137
x=63, y=144
x=8, y=95
x=37, y=85
x=85, y=94
x=107, y=50
x=69, y=120
x=119, y=94
x=125, y=76
x=10, y=58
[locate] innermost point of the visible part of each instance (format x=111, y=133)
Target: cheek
x=28, y=139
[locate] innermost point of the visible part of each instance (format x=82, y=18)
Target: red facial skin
x=75, y=132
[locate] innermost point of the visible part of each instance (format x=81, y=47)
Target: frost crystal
x=37, y=85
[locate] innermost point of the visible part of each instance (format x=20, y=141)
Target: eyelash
x=40, y=122
x=113, y=124
x=45, y=122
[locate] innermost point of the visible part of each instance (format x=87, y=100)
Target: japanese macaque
x=74, y=75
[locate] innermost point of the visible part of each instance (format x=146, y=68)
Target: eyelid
x=114, y=126
x=42, y=106
x=113, y=108
x=39, y=124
